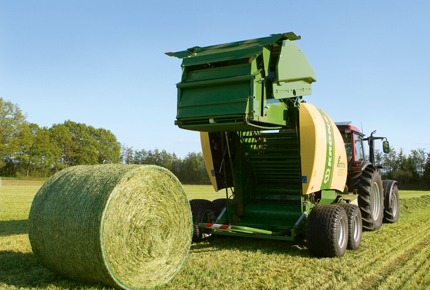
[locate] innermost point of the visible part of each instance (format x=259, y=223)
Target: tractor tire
x=368, y=184
x=327, y=231
x=355, y=225
x=203, y=211
x=219, y=204
x=392, y=204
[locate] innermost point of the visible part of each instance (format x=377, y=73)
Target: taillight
x=356, y=166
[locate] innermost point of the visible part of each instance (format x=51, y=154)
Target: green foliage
x=28, y=150
x=12, y=122
x=60, y=139
x=412, y=171
x=35, y=147
x=189, y=170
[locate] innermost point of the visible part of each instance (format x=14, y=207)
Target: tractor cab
x=355, y=151
x=353, y=139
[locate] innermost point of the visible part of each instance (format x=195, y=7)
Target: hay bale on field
x=126, y=226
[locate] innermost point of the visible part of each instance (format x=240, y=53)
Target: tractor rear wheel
x=203, y=212
x=355, y=227
x=391, y=212
x=327, y=231
x=370, y=197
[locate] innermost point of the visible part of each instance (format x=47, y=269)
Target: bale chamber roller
x=279, y=158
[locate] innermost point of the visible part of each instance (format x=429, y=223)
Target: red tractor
x=378, y=199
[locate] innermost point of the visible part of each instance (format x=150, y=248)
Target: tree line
x=26, y=149
x=412, y=171
x=191, y=169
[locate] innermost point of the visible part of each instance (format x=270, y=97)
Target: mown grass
x=395, y=257
x=412, y=193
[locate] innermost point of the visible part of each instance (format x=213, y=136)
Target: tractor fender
x=388, y=188
x=366, y=164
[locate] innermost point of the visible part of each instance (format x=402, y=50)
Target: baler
x=282, y=162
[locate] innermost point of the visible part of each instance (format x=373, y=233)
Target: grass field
x=395, y=257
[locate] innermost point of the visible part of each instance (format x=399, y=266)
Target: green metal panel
x=273, y=210
x=293, y=65
x=239, y=84
x=328, y=196
x=213, y=101
x=223, y=73
x=264, y=41
x=223, y=56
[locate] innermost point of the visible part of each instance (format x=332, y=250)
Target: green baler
x=281, y=161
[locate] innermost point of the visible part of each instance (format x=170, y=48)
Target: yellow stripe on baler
x=323, y=155
x=340, y=170
x=207, y=156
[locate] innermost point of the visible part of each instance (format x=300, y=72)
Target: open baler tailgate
x=240, y=86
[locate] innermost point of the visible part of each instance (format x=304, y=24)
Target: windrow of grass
x=395, y=257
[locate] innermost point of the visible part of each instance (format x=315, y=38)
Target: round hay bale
x=127, y=226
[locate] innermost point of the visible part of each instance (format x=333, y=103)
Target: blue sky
x=102, y=63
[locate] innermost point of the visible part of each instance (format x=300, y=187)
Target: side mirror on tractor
x=386, y=146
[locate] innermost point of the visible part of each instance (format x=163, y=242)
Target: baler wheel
x=391, y=214
x=203, y=211
x=219, y=204
x=327, y=231
x=355, y=225
x=370, y=197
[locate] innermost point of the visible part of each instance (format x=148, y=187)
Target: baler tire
x=355, y=225
x=201, y=209
x=391, y=214
x=219, y=204
x=327, y=231
x=368, y=184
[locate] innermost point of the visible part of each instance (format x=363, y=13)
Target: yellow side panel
x=312, y=133
x=207, y=156
x=323, y=155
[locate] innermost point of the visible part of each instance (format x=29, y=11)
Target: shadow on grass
x=23, y=270
x=296, y=248
x=13, y=227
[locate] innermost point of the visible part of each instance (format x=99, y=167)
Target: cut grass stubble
x=397, y=255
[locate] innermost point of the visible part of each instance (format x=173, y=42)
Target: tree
x=426, y=174
x=418, y=159
x=127, y=155
x=35, y=147
x=390, y=163
x=60, y=138
x=108, y=148
x=12, y=122
x=193, y=169
x=139, y=157
x=82, y=150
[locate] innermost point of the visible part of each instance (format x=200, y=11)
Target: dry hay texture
x=126, y=226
